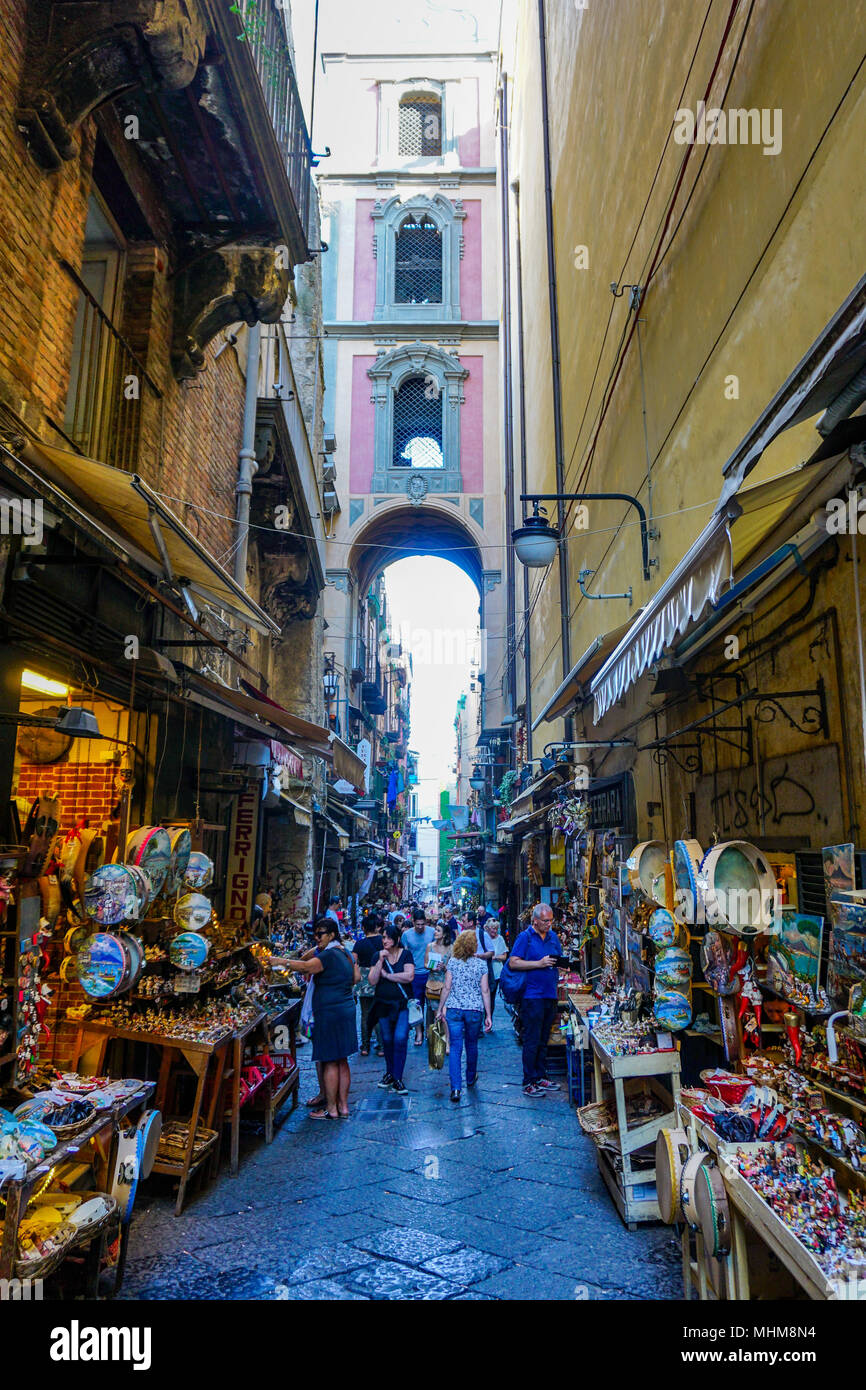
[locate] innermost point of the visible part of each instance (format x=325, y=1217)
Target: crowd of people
x=409, y=967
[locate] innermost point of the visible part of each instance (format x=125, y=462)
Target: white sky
x=434, y=605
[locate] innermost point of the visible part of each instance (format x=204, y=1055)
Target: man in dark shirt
x=535, y=951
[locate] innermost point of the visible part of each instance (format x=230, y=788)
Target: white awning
x=303, y=816
x=696, y=581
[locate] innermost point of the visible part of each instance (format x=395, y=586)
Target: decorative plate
x=188, y=950
x=111, y=895
x=181, y=848
x=662, y=928
x=199, y=870
x=673, y=968
x=192, y=912
x=672, y=1010
x=103, y=966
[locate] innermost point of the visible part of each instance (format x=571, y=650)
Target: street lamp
x=330, y=679
x=536, y=541
x=477, y=781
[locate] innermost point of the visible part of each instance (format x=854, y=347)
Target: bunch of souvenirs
x=207, y=1022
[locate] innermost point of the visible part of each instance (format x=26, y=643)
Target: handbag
x=436, y=1044
x=416, y=1013
x=305, y=1023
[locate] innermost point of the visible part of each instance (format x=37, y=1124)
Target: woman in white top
x=466, y=997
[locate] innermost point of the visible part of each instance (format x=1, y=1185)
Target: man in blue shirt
x=535, y=951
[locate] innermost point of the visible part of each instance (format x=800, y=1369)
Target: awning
x=311, y=739
x=521, y=822
x=398, y=858
x=26, y=482
x=367, y=845
x=696, y=581
x=581, y=674
x=303, y=816
x=347, y=764
x=340, y=830
x=157, y=538
x=764, y=515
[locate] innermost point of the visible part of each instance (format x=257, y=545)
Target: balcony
x=372, y=692
x=107, y=389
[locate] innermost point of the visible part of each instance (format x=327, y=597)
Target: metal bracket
x=585, y=574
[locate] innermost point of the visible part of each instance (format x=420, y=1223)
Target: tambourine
x=688, y=1179
x=188, y=950
x=672, y=1150
x=645, y=865
x=192, y=912
x=662, y=928
x=672, y=1010
x=738, y=885
x=136, y=957
x=181, y=848
x=149, y=848
x=687, y=860
x=75, y=938
x=104, y=965
x=136, y=1155
x=673, y=968
x=112, y=894
x=199, y=871
x=711, y=1207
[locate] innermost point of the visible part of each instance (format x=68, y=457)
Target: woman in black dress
x=335, y=1035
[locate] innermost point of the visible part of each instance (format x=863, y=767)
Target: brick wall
x=84, y=789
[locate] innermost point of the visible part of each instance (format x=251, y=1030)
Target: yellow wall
x=768, y=249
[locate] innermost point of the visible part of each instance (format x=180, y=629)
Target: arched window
x=418, y=261
x=418, y=424
x=420, y=127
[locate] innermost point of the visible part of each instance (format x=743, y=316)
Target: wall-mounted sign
x=242, y=857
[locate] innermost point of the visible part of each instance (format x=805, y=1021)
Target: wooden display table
x=635, y=1192
x=18, y=1194
x=273, y=1093
x=199, y=1057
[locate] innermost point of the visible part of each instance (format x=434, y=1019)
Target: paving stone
x=528, y=1285
x=385, y=1279
x=410, y=1246
x=318, y=1290
x=324, y=1260
x=434, y=1190
x=466, y=1266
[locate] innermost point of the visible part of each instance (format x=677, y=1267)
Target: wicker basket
x=174, y=1138
x=596, y=1119
x=38, y=1269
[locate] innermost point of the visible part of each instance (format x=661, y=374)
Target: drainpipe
x=247, y=463
x=524, y=486
x=508, y=403
x=555, y=370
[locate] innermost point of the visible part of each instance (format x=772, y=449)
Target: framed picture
x=838, y=863
x=794, y=955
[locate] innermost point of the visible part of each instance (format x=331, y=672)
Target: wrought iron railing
x=107, y=386
x=265, y=33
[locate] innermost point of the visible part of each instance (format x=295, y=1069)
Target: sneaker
x=455, y=1096
x=546, y=1085
x=473, y=1082
x=398, y=1088
x=386, y=1082
x=533, y=1090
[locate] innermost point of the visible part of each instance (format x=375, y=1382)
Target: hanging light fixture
x=536, y=540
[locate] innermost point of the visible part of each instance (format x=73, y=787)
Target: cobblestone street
x=412, y=1198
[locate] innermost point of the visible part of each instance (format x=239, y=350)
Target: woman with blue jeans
x=392, y=976
x=464, y=1000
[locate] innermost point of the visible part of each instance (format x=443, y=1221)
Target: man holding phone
x=537, y=950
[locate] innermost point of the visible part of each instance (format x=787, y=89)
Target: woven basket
x=38, y=1269
x=596, y=1118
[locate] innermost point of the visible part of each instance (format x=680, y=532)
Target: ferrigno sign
x=242, y=856
x=800, y=796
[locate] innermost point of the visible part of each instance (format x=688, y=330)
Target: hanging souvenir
x=738, y=887
x=136, y=1154
x=188, y=950
x=112, y=895
x=662, y=928
x=673, y=968
x=672, y=1010
x=181, y=848
x=103, y=966
x=192, y=912
x=645, y=866
x=672, y=1150
x=686, y=862
x=150, y=849
x=199, y=871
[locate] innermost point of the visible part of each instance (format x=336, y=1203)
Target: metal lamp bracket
x=585, y=574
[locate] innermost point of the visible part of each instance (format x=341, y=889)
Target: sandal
x=316, y=1103
x=322, y=1115
x=365, y=1051
x=341, y=1115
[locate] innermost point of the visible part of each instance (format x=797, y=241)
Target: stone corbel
x=81, y=55
x=237, y=283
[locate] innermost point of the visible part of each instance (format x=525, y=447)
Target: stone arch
x=395, y=530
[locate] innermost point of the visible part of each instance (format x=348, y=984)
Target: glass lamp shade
x=535, y=542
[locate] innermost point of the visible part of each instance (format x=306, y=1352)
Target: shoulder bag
x=416, y=1013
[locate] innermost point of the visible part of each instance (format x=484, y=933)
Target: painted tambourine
x=149, y=848
x=738, y=886
x=199, y=871
x=672, y=1010
x=672, y=1150
x=645, y=866
x=136, y=1155
x=112, y=895
x=687, y=859
x=188, y=950
x=711, y=1207
x=181, y=848
x=688, y=1179
x=673, y=968
x=192, y=912
x=135, y=950
x=717, y=957
x=662, y=928
x=104, y=965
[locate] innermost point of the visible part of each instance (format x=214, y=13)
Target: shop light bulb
x=32, y=680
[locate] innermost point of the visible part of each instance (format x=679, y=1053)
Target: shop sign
x=788, y=805
x=611, y=804
x=242, y=857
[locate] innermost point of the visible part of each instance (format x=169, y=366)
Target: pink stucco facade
x=472, y=425
x=470, y=266
x=469, y=140
x=364, y=281
x=362, y=426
